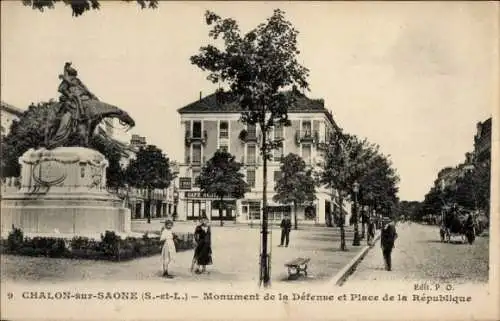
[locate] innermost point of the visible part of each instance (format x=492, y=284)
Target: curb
x=346, y=271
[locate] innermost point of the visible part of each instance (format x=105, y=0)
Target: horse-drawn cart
x=456, y=223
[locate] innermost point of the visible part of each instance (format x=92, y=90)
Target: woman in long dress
x=203, y=250
x=168, y=251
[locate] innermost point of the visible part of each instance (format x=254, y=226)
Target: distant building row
x=481, y=156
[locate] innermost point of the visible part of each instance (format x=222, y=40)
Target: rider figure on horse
x=74, y=92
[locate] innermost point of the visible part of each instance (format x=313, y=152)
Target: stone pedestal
x=63, y=191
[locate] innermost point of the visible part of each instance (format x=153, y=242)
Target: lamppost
x=355, y=189
x=363, y=220
x=127, y=201
x=176, y=201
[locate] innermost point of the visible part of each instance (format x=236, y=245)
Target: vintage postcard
x=249, y=160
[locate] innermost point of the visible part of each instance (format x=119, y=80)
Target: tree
x=295, y=184
x=79, y=7
x=221, y=176
x=473, y=189
x=336, y=174
x=149, y=170
x=257, y=66
x=408, y=209
x=30, y=132
x=379, y=183
x=349, y=160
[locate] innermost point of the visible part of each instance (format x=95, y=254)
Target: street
x=420, y=255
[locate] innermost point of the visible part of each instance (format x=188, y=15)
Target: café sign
x=197, y=194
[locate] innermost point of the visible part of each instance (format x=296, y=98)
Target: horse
x=65, y=125
x=454, y=224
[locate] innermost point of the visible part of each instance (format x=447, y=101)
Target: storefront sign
x=185, y=183
x=199, y=195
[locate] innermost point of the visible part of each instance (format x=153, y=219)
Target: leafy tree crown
x=221, y=176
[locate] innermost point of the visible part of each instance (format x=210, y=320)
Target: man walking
x=371, y=230
x=387, y=238
x=286, y=226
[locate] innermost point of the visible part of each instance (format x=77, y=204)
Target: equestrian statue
x=79, y=112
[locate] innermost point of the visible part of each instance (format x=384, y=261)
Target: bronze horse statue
x=66, y=126
x=78, y=113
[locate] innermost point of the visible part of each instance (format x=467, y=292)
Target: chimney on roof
x=201, y=94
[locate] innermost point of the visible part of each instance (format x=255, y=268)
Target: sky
x=414, y=78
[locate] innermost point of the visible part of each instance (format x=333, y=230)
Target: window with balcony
x=196, y=154
x=307, y=153
x=196, y=129
x=251, y=131
x=251, y=155
x=251, y=178
x=278, y=154
x=223, y=129
x=195, y=176
x=306, y=128
x=278, y=131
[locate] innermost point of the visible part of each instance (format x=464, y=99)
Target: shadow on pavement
x=438, y=241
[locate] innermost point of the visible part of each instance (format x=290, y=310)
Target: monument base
x=63, y=192
x=85, y=215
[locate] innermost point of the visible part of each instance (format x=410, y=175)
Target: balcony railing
x=250, y=161
x=189, y=138
x=306, y=137
x=195, y=162
x=249, y=136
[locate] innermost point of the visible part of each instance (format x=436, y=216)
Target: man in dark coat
x=371, y=230
x=286, y=226
x=387, y=238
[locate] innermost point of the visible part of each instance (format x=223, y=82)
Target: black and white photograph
x=165, y=160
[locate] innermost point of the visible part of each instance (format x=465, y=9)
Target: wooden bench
x=296, y=266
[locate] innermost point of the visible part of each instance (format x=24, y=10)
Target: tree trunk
x=149, y=206
x=342, y=222
x=295, y=214
x=265, y=259
x=220, y=212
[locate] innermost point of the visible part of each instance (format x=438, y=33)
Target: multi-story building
x=8, y=114
x=448, y=176
x=481, y=156
x=161, y=202
x=213, y=123
x=482, y=143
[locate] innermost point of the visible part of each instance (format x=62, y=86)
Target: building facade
x=482, y=143
x=481, y=156
x=161, y=202
x=213, y=123
x=8, y=114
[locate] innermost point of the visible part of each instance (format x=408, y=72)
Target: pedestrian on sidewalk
x=203, y=250
x=387, y=238
x=286, y=227
x=168, y=250
x=371, y=230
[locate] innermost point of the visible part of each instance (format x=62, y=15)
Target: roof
x=223, y=102
x=484, y=128
x=11, y=109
